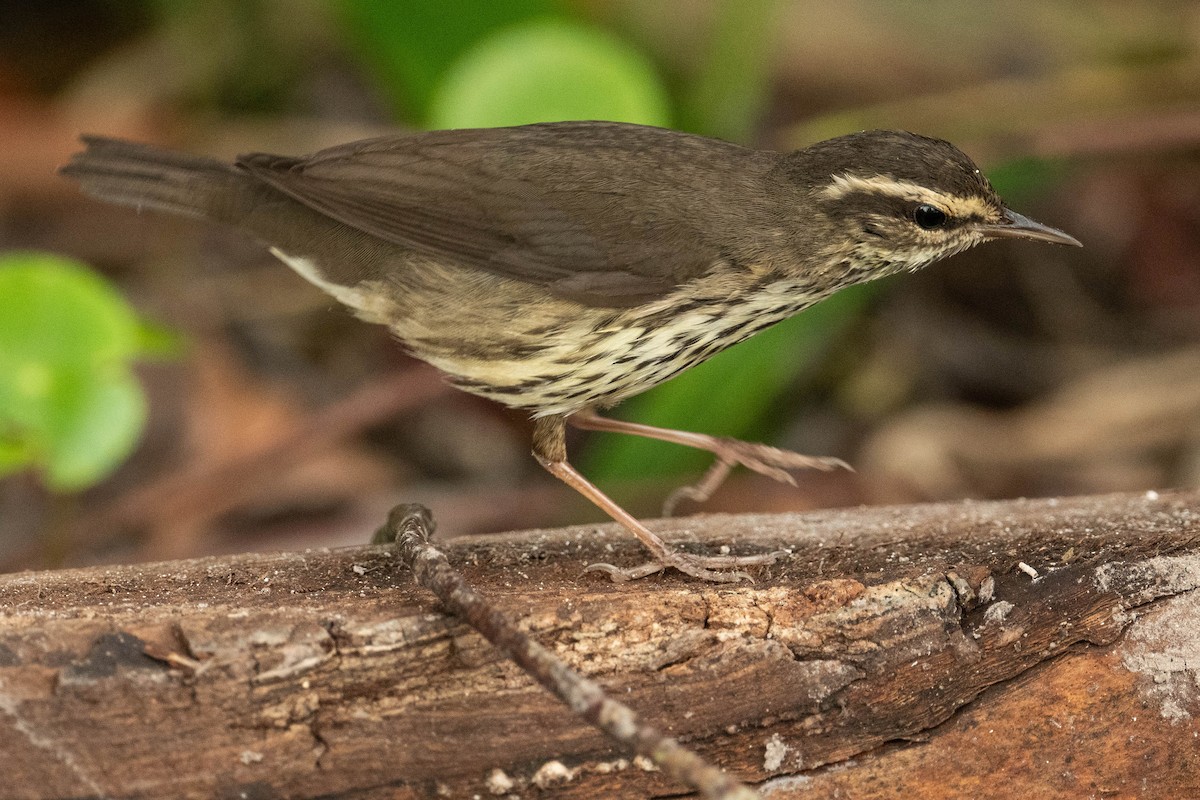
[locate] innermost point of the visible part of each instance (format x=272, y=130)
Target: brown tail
x=144, y=176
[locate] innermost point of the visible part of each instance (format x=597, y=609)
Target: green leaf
x=409, y=44
x=549, y=70
x=57, y=311
x=731, y=394
x=93, y=424
x=69, y=404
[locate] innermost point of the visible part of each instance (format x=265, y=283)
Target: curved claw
x=781, y=475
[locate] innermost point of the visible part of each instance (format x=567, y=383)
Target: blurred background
x=168, y=389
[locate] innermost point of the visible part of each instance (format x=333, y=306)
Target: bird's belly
x=599, y=359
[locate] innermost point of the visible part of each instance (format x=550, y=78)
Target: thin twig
x=410, y=527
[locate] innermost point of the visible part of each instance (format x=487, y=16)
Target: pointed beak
x=1017, y=226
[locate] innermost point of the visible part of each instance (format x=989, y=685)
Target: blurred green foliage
x=410, y=45
x=70, y=406
x=548, y=70
x=728, y=93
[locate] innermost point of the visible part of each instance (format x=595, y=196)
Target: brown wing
x=596, y=212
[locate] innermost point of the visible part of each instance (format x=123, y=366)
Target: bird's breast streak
x=583, y=363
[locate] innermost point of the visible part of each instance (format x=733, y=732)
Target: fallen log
x=1044, y=648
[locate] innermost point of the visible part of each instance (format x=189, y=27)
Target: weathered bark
x=906, y=639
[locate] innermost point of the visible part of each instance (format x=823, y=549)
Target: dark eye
x=929, y=217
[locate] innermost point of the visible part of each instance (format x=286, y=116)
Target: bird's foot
x=715, y=569
x=773, y=462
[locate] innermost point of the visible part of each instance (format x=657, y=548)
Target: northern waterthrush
x=564, y=267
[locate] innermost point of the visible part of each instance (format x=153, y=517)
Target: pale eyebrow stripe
x=956, y=206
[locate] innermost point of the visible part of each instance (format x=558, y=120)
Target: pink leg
x=550, y=451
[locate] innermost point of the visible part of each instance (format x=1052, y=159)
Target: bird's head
x=891, y=201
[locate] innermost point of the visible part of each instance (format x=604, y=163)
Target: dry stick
x=410, y=527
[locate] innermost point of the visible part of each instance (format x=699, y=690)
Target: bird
x=560, y=268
